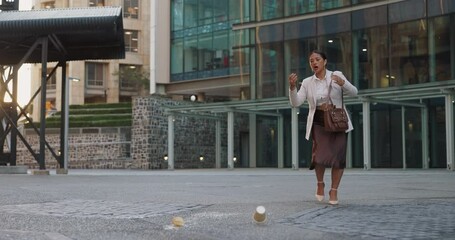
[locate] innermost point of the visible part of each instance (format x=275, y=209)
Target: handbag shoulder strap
x=330, y=88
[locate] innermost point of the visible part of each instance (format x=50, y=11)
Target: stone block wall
x=194, y=136
x=88, y=148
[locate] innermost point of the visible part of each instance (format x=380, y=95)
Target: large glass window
x=371, y=56
x=270, y=61
x=190, y=13
x=386, y=144
x=95, y=73
x=407, y=10
x=177, y=59
x=190, y=57
x=266, y=152
x=295, y=7
x=370, y=48
x=239, y=11
x=440, y=7
x=131, y=9
x=130, y=76
x=339, y=54
x=269, y=9
x=131, y=40
x=441, y=38
x=240, y=62
x=177, y=15
x=330, y=4
x=409, y=53
x=437, y=127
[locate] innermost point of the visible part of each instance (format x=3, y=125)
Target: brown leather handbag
x=335, y=119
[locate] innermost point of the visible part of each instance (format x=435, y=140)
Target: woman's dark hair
x=320, y=53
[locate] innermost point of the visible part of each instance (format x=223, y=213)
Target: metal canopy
x=404, y=96
x=82, y=34
x=51, y=35
x=398, y=95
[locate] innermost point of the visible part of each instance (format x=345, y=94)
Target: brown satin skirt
x=329, y=148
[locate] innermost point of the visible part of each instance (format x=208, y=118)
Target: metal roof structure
x=409, y=96
x=78, y=33
x=50, y=35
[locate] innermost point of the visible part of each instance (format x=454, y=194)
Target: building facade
x=399, y=53
x=102, y=81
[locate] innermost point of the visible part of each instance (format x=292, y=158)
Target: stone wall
x=88, y=148
x=194, y=136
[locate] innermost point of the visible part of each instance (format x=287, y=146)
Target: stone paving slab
x=428, y=219
x=14, y=235
x=99, y=209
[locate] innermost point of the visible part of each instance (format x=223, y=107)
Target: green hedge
x=93, y=115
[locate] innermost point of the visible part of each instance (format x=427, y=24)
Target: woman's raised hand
x=337, y=80
x=292, y=81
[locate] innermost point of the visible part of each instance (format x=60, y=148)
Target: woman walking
x=329, y=148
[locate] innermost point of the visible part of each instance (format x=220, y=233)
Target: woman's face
x=317, y=63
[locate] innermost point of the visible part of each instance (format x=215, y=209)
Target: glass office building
x=400, y=54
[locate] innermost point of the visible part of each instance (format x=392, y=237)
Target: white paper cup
x=260, y=215
x=177, y=221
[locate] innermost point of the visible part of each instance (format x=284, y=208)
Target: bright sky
x=24, y=74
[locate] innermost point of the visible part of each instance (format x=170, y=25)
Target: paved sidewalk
x=219, y=204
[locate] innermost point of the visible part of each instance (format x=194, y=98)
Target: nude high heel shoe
x=333, y=202
x=320, y=197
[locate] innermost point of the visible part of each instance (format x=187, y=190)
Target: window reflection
x=440, y=60
x=270, y=61
x=339, y=54
x=131, y=9
x=330, y=4
x=371, y=52
x=294, y=7
x=269, y=9
x=409, y=53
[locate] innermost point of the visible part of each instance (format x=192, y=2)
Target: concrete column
x=449, y=132
x=280, y=142
x=218, y=144
x=403, y=135
x=425, y=138
x=170, y=142
x=252, y=141
x=295, y=138
x=366, y=135
x=230, y=135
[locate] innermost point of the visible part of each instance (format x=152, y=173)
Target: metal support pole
x=449, y=132
x=218, y=144
x=230, y=135
x=14, y=118
x=170, y=142
x=64, y=118
x=366, y=135
x=280, y=142
x=42, y=141
x=295, y=138
x=349, y=152
x=425, y=142
x=403, y=136
x=252, y=140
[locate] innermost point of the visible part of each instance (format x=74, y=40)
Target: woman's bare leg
x=337, y=173
x=320, y=170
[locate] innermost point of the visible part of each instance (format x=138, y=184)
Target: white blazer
x=307, y=93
